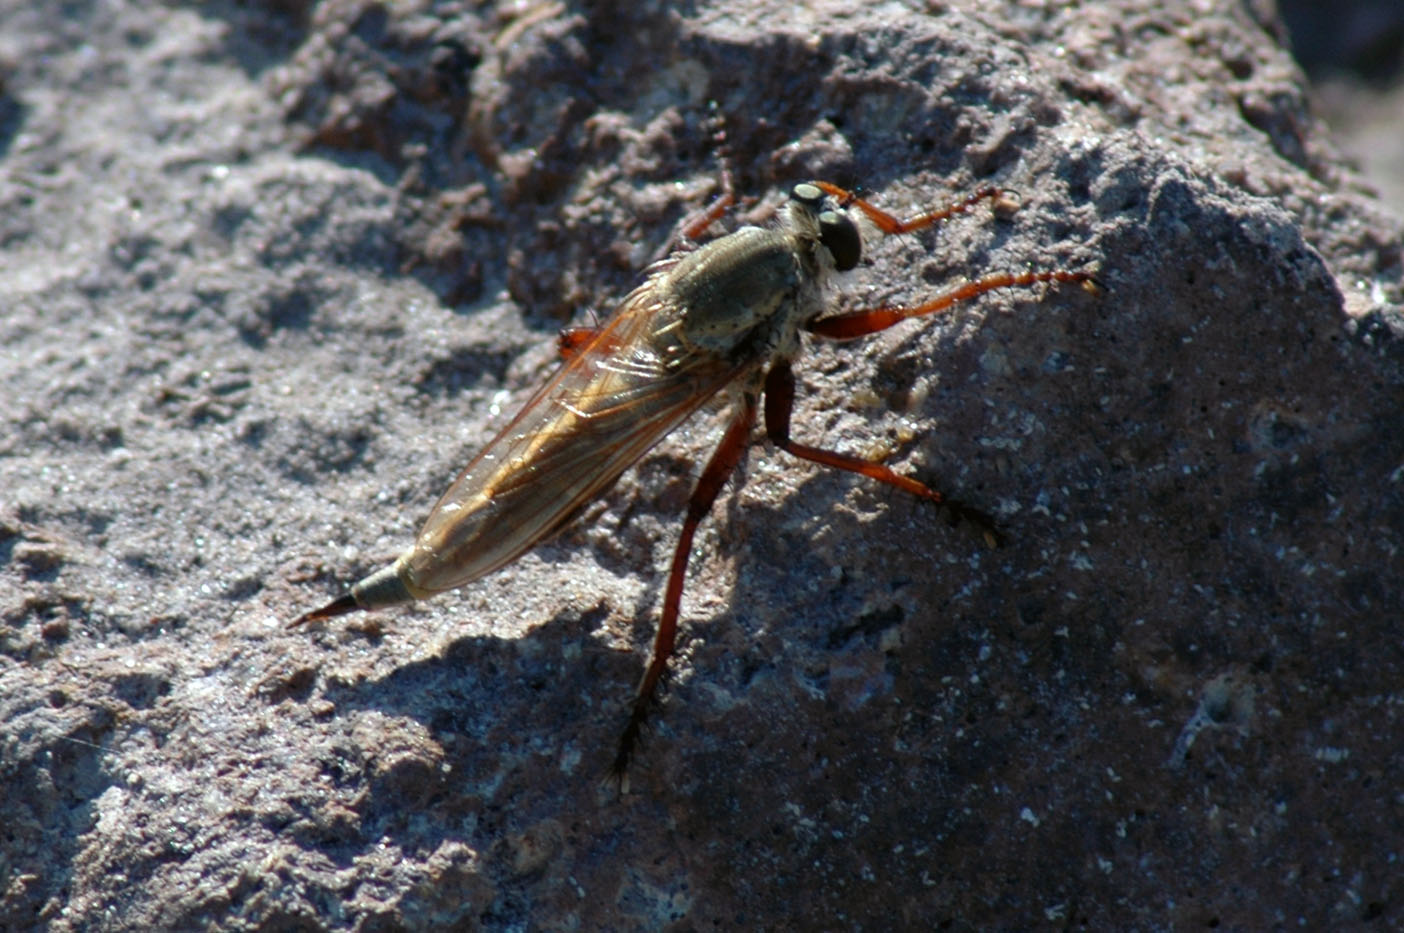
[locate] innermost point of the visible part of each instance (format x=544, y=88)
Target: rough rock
x=270, y=273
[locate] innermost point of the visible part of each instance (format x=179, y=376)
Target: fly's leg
x=892, y=226
x=780, y=381
x=866, y=321
x=779, y=402
x=685, y=236
x=571, y=340
x=871, y=320
x=697, y=225
x=693, y=227
x=723, y=463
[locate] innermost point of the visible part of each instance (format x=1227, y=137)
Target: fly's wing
x=605, y=407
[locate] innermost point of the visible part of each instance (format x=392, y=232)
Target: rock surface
x=271, y=272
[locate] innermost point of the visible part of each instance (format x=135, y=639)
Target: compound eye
x=840, y=235
x=807, y=194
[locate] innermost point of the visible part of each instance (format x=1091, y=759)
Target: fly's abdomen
x=497, y=510
x=570, y=444
x=611, y=401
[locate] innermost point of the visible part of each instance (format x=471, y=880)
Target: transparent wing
x=606, y=406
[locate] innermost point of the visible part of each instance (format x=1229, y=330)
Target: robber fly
x=725, y=316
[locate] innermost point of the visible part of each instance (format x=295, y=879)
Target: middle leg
x=779, y=403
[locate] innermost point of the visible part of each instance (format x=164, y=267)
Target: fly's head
x=835, y=231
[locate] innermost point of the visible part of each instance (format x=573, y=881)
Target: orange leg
x=891, y=225
x=723, y=463
x=866, y=321
x=698, y=224
x=870, y=320
x=684, y=238
x=571, y=340
x=779, y=402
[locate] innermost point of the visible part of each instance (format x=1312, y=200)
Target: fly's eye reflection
x=808, y=194
x=624, y=385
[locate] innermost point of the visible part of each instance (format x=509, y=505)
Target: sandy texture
x=269, y=273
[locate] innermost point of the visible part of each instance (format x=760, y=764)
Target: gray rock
x=270, y=275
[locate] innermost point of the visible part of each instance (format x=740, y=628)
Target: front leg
x=866, y=321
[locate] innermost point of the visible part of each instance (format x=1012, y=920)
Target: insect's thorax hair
x=746, y=296
x=811, y=295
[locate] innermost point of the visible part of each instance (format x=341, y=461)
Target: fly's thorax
x=727, y=289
